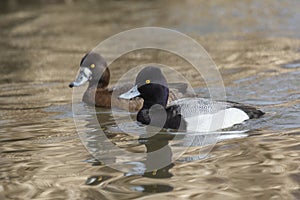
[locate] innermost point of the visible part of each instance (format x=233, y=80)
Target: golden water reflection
x=256, y=50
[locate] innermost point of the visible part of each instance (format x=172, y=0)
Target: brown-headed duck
x=94, y=70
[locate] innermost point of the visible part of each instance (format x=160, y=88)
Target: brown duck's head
x=93, y=69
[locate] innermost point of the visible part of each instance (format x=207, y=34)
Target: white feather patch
x=216, y=121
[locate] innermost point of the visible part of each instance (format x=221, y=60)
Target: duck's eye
x=148, y=81
x=92, y=66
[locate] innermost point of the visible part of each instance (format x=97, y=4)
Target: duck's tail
x=249, y=110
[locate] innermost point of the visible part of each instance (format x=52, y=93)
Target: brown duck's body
x=103, y=97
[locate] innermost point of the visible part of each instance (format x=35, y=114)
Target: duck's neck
x=158, y=95
x=95, y=85
x=148, y=104
x=156, y=118
x=103, y=82
x=143, y=115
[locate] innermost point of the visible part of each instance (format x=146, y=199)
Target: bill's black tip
x=71, y=85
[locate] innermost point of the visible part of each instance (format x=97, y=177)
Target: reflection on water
x=257, y=51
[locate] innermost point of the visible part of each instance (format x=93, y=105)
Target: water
x=254, y=43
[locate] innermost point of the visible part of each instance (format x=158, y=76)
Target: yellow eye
x=92, y=66
x=148, y=81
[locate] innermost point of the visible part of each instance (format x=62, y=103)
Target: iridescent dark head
x=151, y=85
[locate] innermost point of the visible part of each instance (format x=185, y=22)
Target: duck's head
x=151, y=85
x=93, y=69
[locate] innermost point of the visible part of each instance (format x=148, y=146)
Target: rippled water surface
x=255, y=44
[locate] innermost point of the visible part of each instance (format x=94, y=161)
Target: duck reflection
x=154, y=152
x=159, y=154
x=156, y=163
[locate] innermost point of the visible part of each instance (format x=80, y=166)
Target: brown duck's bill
x=132, y=93
x=84, y=76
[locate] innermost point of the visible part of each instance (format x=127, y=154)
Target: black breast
x=143, y=116
x=172, y=117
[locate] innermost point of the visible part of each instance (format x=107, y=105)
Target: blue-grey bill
x=133, y=92
x=83, y=76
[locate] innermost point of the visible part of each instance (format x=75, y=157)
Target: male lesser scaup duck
x=93, y=69
x=189, y=114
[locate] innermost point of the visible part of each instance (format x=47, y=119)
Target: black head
x=152, y=86
x=93, y=68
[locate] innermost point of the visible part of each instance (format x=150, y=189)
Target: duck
x=95, y=72
x=192, y=114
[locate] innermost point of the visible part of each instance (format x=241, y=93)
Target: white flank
x=219, y=120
